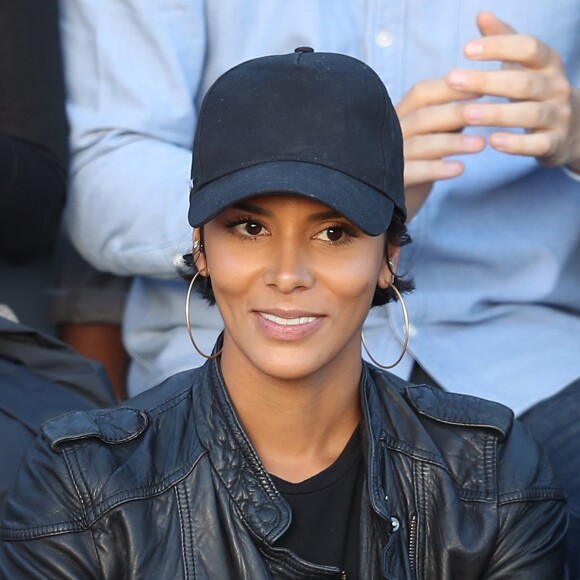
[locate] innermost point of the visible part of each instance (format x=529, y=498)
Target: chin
x=287, y=370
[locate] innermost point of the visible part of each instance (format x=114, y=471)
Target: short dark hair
x=397, y=235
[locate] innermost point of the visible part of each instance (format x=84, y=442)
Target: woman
x=286, y=456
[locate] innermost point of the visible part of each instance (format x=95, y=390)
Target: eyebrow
x=322, y=215
x=252, y=209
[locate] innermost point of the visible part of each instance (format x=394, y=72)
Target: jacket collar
x=239, y=468
x=236, y=462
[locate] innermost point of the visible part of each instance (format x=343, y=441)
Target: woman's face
x=293, y=281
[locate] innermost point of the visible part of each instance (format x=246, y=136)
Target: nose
x=289, y=268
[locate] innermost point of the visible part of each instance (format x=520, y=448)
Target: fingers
x=420, y=172
x=489, y=24
x=540, y=98
x=502, y=42
x=542, y=144
x=525, y=115
x=438, y=145
x=526, y=50
x=431, y=92
x=512, y=84
x=435, y=119
x=432, y=119
x=547, y=135
x=420, y=177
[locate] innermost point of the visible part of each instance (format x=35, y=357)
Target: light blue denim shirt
x=496, y=255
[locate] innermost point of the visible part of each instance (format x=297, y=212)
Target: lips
x=287, y=325
x=287, y=321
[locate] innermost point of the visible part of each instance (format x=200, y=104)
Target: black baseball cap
x=315, y=124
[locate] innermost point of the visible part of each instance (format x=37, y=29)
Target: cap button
x=304, y=49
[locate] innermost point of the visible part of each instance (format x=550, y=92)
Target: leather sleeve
x=531, y=542
x=532, y=514
x=64, y=556
x=43, y=533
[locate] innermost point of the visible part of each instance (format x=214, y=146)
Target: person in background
x=286, y=456
x=33, y=153
x=33, y=130
x=489, y=109
x=79, y=304
x=86, y=306
x=40, y=378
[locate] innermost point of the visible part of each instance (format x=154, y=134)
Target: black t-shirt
x=326, y=512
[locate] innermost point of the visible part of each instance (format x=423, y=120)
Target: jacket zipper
x=343, y=575
x=413, y=544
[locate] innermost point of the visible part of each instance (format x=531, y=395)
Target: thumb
x=490, y=25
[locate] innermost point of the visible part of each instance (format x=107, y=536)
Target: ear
x=199, y=256
x=388, y=267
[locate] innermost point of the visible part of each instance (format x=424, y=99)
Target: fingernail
x=471, y=141
x=473, y=48
x=498, y=141
x=474, y=113
x=452, y=168
x=458, y=78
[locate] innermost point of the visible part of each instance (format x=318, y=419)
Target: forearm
x=132, y=221
x=132, y=102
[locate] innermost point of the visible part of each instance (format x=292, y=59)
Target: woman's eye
x=249, y=228
x=333, y=234
x=253, y=228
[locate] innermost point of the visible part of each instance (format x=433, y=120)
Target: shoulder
x=515, y=461
x=125, y=422
x=86, y=463
x=446, y=408
x=478, y=442
x=460, y=410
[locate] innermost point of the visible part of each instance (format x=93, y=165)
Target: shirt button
x=412, y=330
x=384, y=39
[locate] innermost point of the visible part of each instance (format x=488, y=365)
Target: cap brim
x=363, y=205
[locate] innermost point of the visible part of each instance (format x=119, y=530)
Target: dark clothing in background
x=33, y=128
x=81, y=294
x=40, y=378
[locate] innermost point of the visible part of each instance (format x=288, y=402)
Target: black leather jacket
x=169, y=486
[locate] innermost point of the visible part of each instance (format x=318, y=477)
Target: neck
x=298, y=427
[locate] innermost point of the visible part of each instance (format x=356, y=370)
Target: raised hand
x=432, y=116
x=540, y=97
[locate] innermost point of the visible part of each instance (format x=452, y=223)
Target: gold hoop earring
x=188, y=323
x=405, y=342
